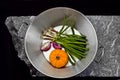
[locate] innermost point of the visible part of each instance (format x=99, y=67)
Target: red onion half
x=46, y=46
x=56, y=46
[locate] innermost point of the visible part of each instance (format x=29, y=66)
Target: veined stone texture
x=108, y=34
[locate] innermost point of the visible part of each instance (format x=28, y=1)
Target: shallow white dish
x=51, y=18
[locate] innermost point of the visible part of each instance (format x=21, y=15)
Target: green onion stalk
x=75, y=45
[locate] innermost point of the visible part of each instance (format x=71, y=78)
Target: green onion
x=75, y=45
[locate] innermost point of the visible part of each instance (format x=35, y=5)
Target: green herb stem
x=75, y=45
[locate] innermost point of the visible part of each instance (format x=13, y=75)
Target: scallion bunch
x=75, y=45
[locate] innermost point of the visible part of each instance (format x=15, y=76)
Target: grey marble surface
x=108, y=33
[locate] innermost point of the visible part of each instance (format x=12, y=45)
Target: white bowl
x=50, y=18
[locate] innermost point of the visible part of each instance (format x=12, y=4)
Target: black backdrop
x=34, y=7
x=14, y=69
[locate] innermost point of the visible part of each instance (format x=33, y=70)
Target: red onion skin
x=46, y=46
x=56, y=46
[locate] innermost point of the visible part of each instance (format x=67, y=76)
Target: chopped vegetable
x=46, y=46
x=56, y=45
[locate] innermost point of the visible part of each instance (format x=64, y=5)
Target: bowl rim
x=85, y=19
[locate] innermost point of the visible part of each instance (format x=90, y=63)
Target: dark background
x=11, y=66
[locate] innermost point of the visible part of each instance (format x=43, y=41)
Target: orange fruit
x=58, y=58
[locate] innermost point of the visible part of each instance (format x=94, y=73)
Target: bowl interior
x=50, y=18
